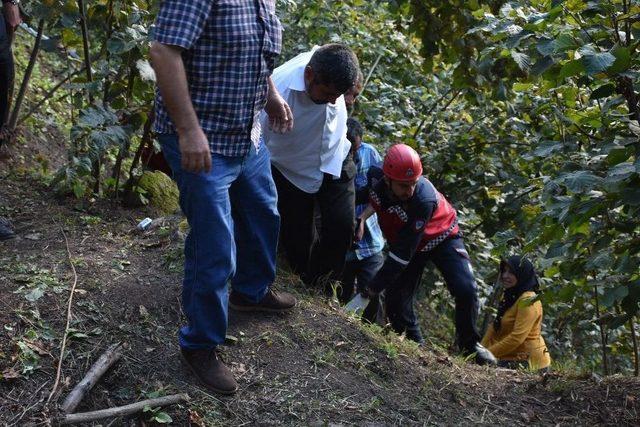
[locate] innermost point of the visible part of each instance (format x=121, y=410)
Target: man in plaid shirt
x=213, y=61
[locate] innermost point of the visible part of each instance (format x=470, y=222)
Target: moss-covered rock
x=162, y=192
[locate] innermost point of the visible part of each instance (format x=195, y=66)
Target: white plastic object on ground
x=144, y=224
x=357, y=304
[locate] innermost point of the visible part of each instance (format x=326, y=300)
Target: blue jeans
x=234, y=225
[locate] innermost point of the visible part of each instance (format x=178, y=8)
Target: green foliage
x=114, y=98
x=525, y=114
x=578, y=109
x=527, y=123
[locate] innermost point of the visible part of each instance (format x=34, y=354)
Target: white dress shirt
x=318, y=142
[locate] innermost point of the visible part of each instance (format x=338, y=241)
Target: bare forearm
x=172, y=82
x=367, y=213
x=271, y=85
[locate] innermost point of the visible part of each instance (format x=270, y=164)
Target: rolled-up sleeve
x=181, y=23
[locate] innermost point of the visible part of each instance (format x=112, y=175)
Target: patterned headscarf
x=527, y=281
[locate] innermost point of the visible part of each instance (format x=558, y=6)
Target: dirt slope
x=314, y=366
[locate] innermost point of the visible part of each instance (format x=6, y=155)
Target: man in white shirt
x=312, y=165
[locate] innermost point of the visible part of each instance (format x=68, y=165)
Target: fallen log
x=122, y=411
x=108, y=358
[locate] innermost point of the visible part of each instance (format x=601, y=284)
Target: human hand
x=280, y=115
x=370, y=293
x=194, y=150
x=12, y=15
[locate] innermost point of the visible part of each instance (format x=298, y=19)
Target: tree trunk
x=146, y=140
x=636, y=356
x=603, y=338
x=107, y=81
x=87, y=63
x=27, y=76
x=85, y=45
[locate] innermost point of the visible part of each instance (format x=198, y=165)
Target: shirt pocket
x=234, y=22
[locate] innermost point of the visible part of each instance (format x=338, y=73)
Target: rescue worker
x=420, y=225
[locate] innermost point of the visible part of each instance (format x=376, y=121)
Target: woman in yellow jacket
x=514, y=337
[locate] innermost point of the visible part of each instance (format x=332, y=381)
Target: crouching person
x=514, y=337
x=420, y=225
x=365, y=257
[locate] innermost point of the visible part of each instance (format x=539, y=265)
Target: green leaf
x=621, y=172
x=600, y=261
x=614, y=295
x=617, y=321
x=522, y=87
x=581, y=181
x=622, y=62
x=618, y=155
x=598, y=63
x=631, y=197
x=572, y=68
x=523, y=60
x=564, y=42
x=542, y=65
x=35, y=294
x=546, y=148
x=546, y=47
x=162, y=418
x=603, y=91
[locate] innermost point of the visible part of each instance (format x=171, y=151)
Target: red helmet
x=402, y=163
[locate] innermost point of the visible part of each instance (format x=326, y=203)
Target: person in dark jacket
x=420, y=225
x=365, y=257
x=8, y=23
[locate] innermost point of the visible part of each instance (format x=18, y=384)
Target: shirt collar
x=297, y=81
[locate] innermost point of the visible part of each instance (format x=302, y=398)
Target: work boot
x=209, y=370
x=273, y=301
x=6, y=230
x=483, y=356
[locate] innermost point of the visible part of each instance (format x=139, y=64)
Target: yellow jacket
x=519, y=336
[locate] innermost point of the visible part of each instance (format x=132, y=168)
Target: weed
x=321, y=356
x=36, y=282
x=30, y=344
x=90, y=220
x=174, y=259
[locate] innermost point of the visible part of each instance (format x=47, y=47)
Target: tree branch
x=121, y=411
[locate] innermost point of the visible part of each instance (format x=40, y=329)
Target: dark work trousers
x=452, y=260
x=315, y=252
x=357, y=275
x=7, y=73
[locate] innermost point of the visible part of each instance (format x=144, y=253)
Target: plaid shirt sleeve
x=180, y=23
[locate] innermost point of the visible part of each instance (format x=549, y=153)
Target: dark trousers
x=317, y=252
x=356, y=277
x=452, y=260
x=7, y=73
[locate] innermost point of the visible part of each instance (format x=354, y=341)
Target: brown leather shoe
x=273, y=301
x=210, y=371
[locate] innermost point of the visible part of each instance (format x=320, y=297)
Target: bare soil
x=315, y=366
